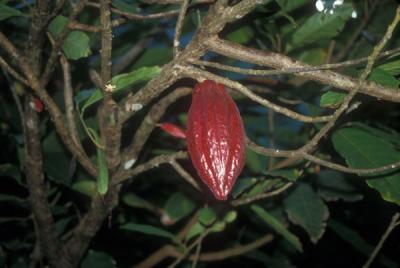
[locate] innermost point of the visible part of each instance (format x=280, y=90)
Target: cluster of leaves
x=159, y=204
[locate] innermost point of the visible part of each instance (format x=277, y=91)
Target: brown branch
x=393, y=224
x=89, y=225
x=178, y=27
x=327, y=66
x=33, y=166
x=235, y=251
x=55, y=113
x=201, y=74
x=217, y=17
x=131, y=153
x=184, y=174
x=131, y=55
x=125, y=175
x=6, y=67
x=133, y=16
x=167, y=250
x=301, y=154
x=109, y=124
x=52, y=60
x=281, y=62
x=74, y=25
x=49, y=242
x=171, y=251
x=69, y=103
x=251, y=199
x=357, y=32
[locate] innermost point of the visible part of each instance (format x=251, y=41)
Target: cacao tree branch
x=131, y=153
x=152, y=163
x=6, y=67
x=50, y=245
x=69, y=103
x=327, y=66
x=178, y=27
x=217, y=17
x=281, y=62
x=196, y=73
x=52, y=60
x=55, y=113
x=49, y=242
x=393, y=224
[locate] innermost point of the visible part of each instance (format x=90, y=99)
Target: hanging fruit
x=215, y=137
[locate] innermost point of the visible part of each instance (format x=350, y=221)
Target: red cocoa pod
x=215, y=137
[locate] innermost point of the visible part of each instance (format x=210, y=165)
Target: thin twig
x=357, y=32
x=197, y=73
x=152, y=163
x=184, y=174
x=327, y=66
x=345, y=104
x=393, y=224
x=69, y=102
x=300, y=153
x=279, y=61
x=251, y=199
x=178, y=27
x=189, y=248
x=12, y=72
x=52, y=60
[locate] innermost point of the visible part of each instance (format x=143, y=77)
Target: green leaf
x=13, y=219
x=12, y=171
x=383, y=77
x=289, y=174
x=13, y=199
x=362, y=149
x=178, y=206
x=76, y=45
x=147, y=229
x=217, y=227
x=121, y=82
x=86, y=187
x=277, y=226
x=290, y=5
x=57, y=25
x=103, y=177
x=124, y=6
x=56, y=161
x=333, y=186
x=135, y=201
x=304, y=207
x=242, y=185
x=241, y=35
x=154, y=56
x=7, y=12
x=263, y=186
x=255, y=162
x=230, y=216
x=207, y=216
x=392, y=67
x=196, y=229
x=332, y=99
x=354, y=239
x=98, y=259
x=322, y=26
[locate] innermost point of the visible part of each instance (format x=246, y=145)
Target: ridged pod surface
x=215, y=137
